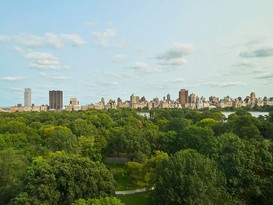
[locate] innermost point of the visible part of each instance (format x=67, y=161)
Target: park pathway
x=136, y=191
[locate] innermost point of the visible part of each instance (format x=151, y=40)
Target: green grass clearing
x=123, y=181
x=136, y=199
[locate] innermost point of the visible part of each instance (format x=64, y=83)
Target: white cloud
x=103, y=38
x=18, y=49
x=141, y=66
x=265, y=76
x=13, y=78
x=16, y=90
x=108, y=83
x=244, y=63
x=29, y=40
x=50, y=40
x=74, y=39
x=223, y=84
x=175, y=80
x=261, y=52
x=114, y=76
x=119, y=58
x=173, y=62
x=4, y=38
x=60, y=78
x=42, y=74
x=53, y=40
x=175, y=55
x=43, y=61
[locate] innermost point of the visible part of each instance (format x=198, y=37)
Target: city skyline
x=91, y=50
x=184, y=100
x=183, y=97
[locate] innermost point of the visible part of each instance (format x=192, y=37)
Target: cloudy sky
x=93, y=49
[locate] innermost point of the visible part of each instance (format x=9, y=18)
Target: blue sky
x=93, y=49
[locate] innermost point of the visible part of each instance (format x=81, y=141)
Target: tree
x=177, y=124
x=90, y=148
x=207, y=122
x=195, y=137
x=57, y=138
x=216, y=115
x=167, y=142
x=245, y=126
x=80, y=127
x=190, y=178
x=265, y=128
x=99, y=201
x=12, y=170
x=63, y=178
x=137, y=147
x=151, y=134
x=135, y=172
x=248, y=168
x=152, y=165
x=117, y=140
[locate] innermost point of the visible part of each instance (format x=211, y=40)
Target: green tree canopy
x=12, y=170
x=57, y=138
x=99, y=201
x=195, y=137
x=190, y=178
x=62, y=178
x=248, y=168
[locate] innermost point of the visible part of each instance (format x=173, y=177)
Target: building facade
x=27, y=97
x=183, y=97
x=74, y=101
x=134, y=101
x=55, y=99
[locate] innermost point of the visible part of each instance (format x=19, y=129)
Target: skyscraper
x=192, y=98
x=27, y=97
x=252, y=98
x=133, y=100
x=55, y=99
x=183, y=97
x=168, y=97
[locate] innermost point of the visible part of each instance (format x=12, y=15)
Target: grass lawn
x=136, y=199
x=123, y=181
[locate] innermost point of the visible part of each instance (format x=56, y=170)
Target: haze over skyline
x=93, y=49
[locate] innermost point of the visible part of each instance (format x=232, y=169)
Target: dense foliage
x=57, y=157
x=61, y=178
x=99, y=201
x=190, y=178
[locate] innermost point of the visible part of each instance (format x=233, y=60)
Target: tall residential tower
x=55, y=99
x=27, y=97
x=183, y=97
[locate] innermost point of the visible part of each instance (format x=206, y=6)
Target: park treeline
x=184, y=156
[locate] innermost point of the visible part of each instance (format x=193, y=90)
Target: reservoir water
x=254, y=114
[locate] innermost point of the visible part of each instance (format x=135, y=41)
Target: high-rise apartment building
x=183, y=97
x=252, y=98
x=74, y=101
x=134, y=100
x=27, y=97
x=55, y=99
x=192, y=98
x=213, y=100
x=168, y=97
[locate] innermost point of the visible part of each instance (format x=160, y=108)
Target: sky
x=92, y=49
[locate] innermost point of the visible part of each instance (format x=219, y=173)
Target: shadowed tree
x=190, y=178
